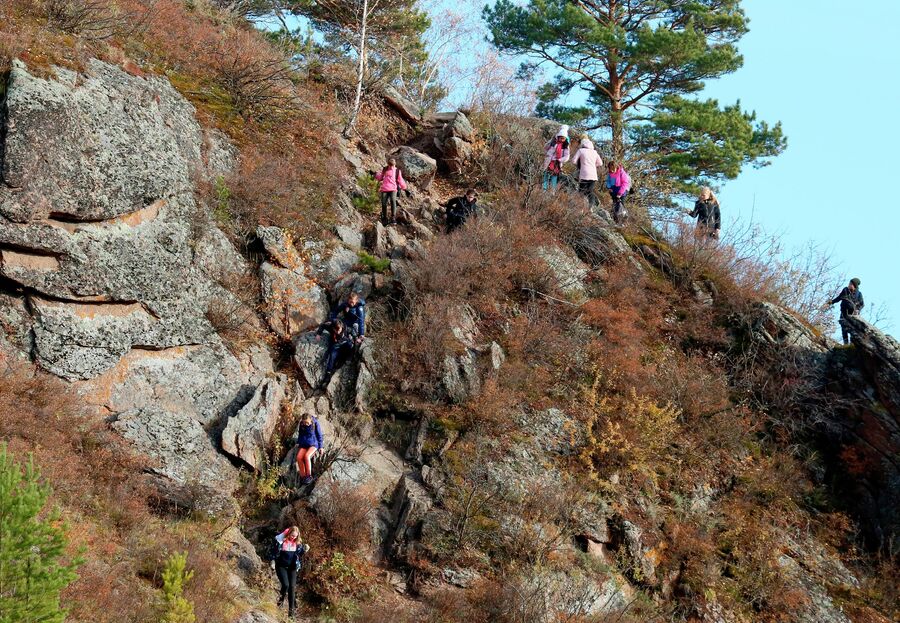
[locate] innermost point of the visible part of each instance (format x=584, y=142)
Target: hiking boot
x=280, y=601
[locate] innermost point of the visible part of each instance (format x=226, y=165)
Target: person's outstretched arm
x=717, y=217
x=839, y=297
x=862, y=303
x=319, y=439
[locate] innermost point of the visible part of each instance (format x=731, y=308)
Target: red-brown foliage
x=97, y=484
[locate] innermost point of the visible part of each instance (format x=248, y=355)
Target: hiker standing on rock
x=557, y=152
x=589, y=163
x=309, y=441
x=340, y=347
x=851, y=300
x=707, y=213
x=459, y=209
x=287, y=554
x=392, y=181
x=619, y=183
x=352, y=313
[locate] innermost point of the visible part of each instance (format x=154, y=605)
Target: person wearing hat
x=851, y=300
x=589, y=163
x=557, y=152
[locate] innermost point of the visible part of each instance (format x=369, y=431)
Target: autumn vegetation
x=648, y=362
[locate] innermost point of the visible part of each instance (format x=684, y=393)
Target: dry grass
x=98, y=486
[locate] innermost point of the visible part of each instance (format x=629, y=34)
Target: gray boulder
x=82, y=340
x=248, y=432
x=292, y=301
x=309, y=352
x=402, y=105
x=457, y=125
x=183, y=451
x=256, y=616
x=96, y=145
x=776, y=326
x=863, y=383
x=567, y=272
x=339, y=263
x=410, y=503
x=206, y=382
x=456, y=153
x=416, y=166
x=350, y=236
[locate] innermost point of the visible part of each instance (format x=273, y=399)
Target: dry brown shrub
x=289, y=179
x=346, y=512
x=97, y=483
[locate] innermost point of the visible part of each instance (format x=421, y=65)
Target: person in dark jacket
x=707, y=213
x=851, y=300
x=309, y=441
x=286, y=558
x=461, y=208
x=352, y=313
x=341, y=345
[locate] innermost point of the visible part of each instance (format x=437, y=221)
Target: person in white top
x=589, y=163
x=557, y=152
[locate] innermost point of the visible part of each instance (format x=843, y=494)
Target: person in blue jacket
x=352, y=313
x=341, y=345
x=286, y=558
x=309, y=441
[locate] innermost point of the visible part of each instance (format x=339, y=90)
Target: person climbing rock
x=557, y=153
x=309, y=441
x=459, y=209
x=392, y=182
x=341, y=345
x=588, y=162
x=706, y=211
x=352, y=313
x=619, y=183
x=851, y=300
x=286, y=558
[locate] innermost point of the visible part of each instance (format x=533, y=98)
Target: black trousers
x=337, y=355
x=586, y=188
x=845, y=328
x=287, y=577
x=619, y=212
x=392, y=197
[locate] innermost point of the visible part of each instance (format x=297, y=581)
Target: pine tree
x=636, y=60
x=32, y=548
x=177, y=609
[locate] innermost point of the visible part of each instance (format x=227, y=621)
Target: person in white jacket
x=557, y=152
x=589, y=164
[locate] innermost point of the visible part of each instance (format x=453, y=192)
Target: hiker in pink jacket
x=588, y=162
x=619, y=183
x=392, y=181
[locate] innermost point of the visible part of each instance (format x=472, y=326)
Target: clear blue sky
x=829, y=71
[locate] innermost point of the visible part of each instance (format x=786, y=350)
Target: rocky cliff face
x=864, y=436
x=853, y=394
x=105, y=259
x=113, y=276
